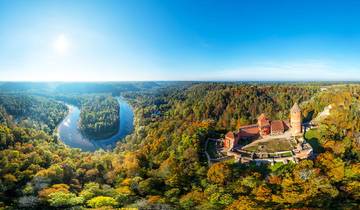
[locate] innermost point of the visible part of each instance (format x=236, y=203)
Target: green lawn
x=287, y=154
x=281, y=168
x=313, y=133
x=312, y=137
x=273, y=145
x=272, y=155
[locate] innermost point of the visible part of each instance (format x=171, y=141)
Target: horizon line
x=110, y=81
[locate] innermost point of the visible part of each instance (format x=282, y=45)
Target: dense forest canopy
x=33, y=111
x=99, y=113
x=229, y=105
x=162, y=164
x=99, y=116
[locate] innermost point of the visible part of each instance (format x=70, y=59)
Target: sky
x=136, y=40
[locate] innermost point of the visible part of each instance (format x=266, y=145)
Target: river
x=70, y=134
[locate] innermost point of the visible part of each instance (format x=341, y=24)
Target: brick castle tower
x=295, y=119
x=264, y=125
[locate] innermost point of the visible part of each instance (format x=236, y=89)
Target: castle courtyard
x=270, y=144
x=267, y=141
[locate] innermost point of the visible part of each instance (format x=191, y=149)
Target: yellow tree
x=219, y=173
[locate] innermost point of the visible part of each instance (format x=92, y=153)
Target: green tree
x=62, y=199
x=102, y=201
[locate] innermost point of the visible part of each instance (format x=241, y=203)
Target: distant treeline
x=120, y=87
x=33, y=111
x=45, y=88
x=229, y=105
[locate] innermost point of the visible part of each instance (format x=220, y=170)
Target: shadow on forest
x=308, y=117
x=315, y=144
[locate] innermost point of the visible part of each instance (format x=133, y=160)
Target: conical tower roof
x=295, y=108
x=262, y=117
x=230, y=135
x=263, y=121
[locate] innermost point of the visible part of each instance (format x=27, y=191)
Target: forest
x=99, y=116
x=162, y=164
x=32, y=111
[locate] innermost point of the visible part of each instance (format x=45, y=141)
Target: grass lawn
x=287, y=154
x=312, y=137
x=281, y=168
x=313, y=133
x=272, y=155
x=273, y=145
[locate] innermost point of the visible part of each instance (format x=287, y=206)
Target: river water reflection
x=71, y=135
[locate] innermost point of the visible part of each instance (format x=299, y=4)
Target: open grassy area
x=286, y=154
x=272, y=145
x=312, y=137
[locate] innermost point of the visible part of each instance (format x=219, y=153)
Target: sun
x=61, y=44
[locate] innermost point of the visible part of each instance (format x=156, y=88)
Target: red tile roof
x=249, y=131
x=230, y=135
x=277, y=126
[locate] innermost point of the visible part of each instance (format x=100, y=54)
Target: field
x=271, y=145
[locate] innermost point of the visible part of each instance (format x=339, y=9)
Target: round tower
x=295, y=119
x=264, y=125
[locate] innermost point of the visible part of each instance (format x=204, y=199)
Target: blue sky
x=89, y=40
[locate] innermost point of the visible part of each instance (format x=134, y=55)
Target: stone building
x=231, y=139
x=265, y=127
x=277, y=127
x=295, y=120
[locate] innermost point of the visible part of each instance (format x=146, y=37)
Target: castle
x=265, y=127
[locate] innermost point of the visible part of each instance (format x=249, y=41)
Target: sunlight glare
x=61, y=44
